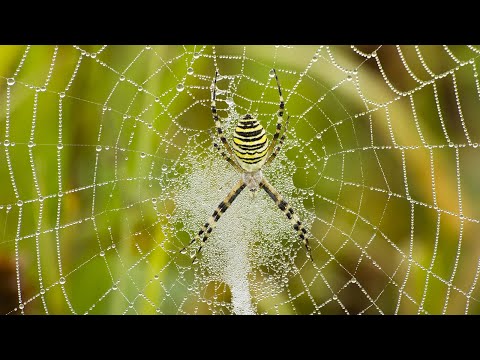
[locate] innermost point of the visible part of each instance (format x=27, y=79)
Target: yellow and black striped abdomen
x=250, y=143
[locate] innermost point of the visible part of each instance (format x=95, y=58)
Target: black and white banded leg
x=217, y=120
x=228, y=158
x=280, y=112
x=274, y=154
x=206, y=229
x=289, y=213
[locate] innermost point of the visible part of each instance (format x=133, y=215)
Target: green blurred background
x=89, y=135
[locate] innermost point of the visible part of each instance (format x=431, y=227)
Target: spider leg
x=206, y=229
x=289, y=213
x=228, y=158
x=280, y=143
x=279, y=115
x=217, y=120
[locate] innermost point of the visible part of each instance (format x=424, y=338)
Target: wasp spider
x=249, y=153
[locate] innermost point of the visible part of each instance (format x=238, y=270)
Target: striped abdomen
x=250, y=143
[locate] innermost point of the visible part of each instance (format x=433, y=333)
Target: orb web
x=108, y=170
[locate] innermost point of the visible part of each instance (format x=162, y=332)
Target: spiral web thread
x=108, y=170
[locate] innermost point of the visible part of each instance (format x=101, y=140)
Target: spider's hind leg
x=206, y=229
x=289, y=213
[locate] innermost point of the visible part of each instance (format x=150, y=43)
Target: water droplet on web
x=142, y=155
x=21, y=306
x=180, y=87
x=140, y=89
x=102, y=253
x=19, y=203
x=155, y=277
x=157, y=99
x=193, y=252
x=190, y=71
x=43, y=89
x=6, y=142
x=334, y=297
x=99, y=148
x=271, y=73
x=195, y=261
x=229, y=101
x=10, y=81
x=183, y=251
x=148, y=47
x=61, y=280
x=164, y=167
x=315, y=58
x=31, y=144
x=60, y=146
x=42, y=291
x=196, y=55
x=122, y=78
x=349, y=78
x=62, y=95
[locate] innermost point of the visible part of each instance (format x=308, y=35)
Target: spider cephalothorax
x=249, y=153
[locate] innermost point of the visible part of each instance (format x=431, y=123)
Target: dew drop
x=190, y=71
x=61, y=280
x=122, y=78
x=99, y=148
x=10, y=81
x=164, y=167
x=31, y=144
x=142, y=155
x=21, y=306
x=271, y=73
x=42, y=292
x=102, y=253
x=6, y=142
x=180, y=87
x=315, y=58
x=196, y=55
x=60, y=146
x=140, y=88
x=62, y=95
x=19, y=203
x=183, y=251
x=195, y=261
x=156, y=277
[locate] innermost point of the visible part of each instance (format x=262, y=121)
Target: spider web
x=108, y=169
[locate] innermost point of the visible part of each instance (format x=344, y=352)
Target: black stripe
x=243, y=126
x=248, y=139
x=247, y=116
x=237, y=192
x=267, y=190
x=282, y=205
x=252, y=161
x=222, y=207
x=251, y=147
x=248, y=134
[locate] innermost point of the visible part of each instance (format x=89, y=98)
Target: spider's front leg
x=206, y=229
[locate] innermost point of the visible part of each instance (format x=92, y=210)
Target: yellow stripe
x=251, y=156
x=239, y=141
x=256, y=128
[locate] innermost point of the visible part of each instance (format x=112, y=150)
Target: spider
x=251, y=152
